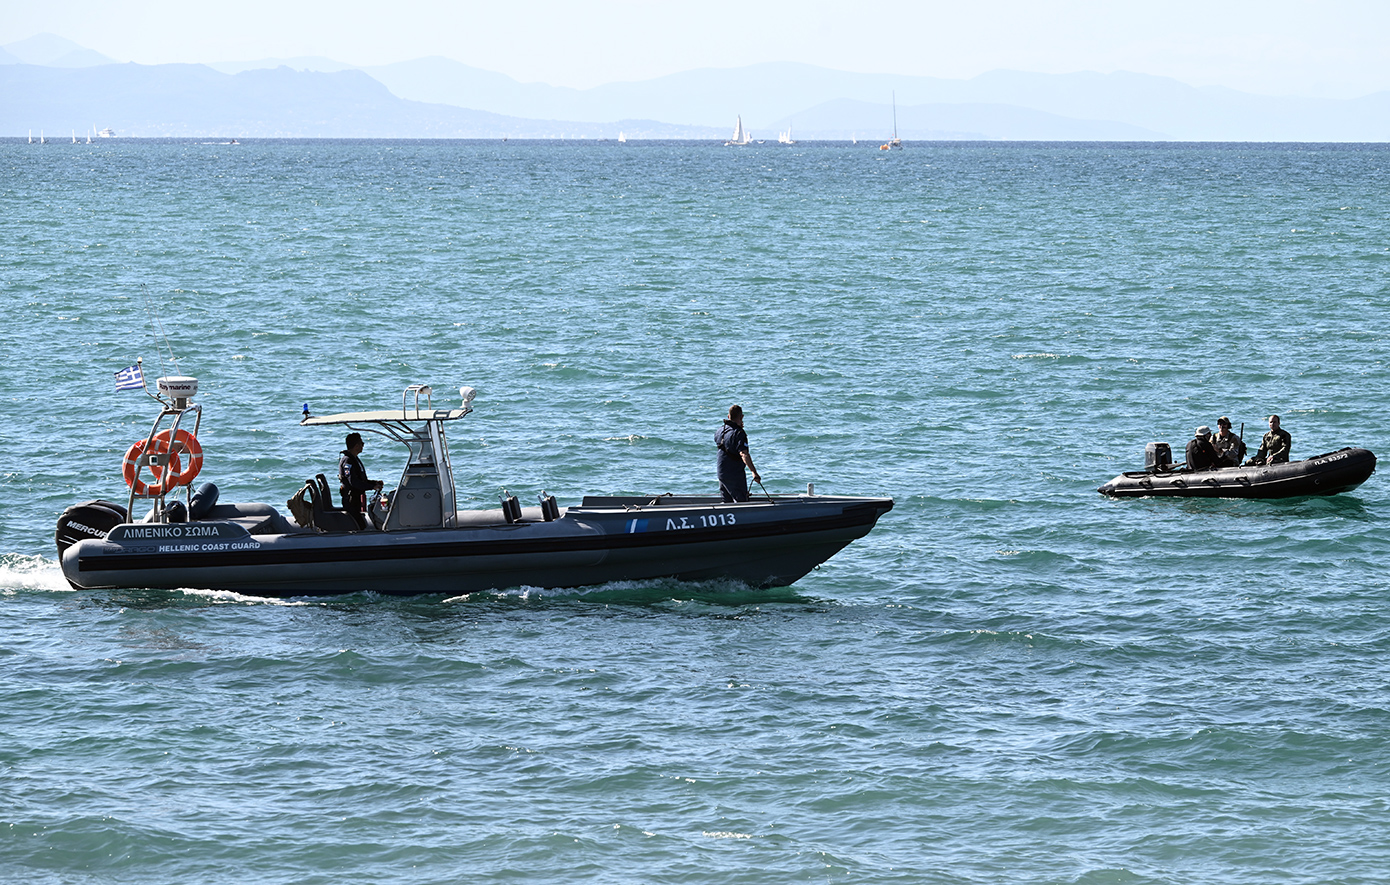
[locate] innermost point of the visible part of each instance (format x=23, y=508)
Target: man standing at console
x=733, y=455
x=352, y=480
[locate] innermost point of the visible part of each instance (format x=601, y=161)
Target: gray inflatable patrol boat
x=417, y=541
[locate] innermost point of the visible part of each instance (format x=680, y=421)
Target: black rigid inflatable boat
x=417, y=540
x=1327, y=474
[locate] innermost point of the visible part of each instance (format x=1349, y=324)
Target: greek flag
x=130, y=378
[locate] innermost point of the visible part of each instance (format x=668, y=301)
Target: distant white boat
x=74, y=136
x=108, y=132
x=741, y=135
x=622, y=139
x=785, y=137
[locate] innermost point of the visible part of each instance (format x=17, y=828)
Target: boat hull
x=1327, y=474
x=763, y=544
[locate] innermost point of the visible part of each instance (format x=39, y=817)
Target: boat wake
x=20, y=573
x=657, y=592
x=37, y=574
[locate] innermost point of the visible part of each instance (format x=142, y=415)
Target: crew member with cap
x=1230, y=449
x=732, y=443
x=1201, y=455
x=352, y=480
x=1274, y=448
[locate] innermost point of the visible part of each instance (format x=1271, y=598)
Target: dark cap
x=1223, y=421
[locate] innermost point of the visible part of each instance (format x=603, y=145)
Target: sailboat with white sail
x=741, y=135
x=786, y=137
x=893, y=142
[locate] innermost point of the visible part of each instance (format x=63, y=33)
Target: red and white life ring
x=167, y=477
x=130, y=468
x=183, y=442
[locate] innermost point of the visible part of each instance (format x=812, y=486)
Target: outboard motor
x=1158, y=457
x=92, y=519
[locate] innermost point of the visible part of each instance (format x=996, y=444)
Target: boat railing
x=418, y=389
x=152, y=459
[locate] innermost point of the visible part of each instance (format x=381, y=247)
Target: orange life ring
x=130, y=468
x=183, y=441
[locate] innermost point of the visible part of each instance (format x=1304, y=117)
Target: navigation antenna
x=157, y=328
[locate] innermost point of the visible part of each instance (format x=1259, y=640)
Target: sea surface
x=1011, y=680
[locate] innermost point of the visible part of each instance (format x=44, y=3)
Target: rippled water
x=1011, y=679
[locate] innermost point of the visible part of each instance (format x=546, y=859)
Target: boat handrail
x=395, y=417
x=418, y=389
x=178, y=413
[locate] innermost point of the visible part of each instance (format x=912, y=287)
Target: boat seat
x=325, y=492
x=327, y=518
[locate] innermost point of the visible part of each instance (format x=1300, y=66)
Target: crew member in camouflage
x=1230, y=449
x=1274, y=448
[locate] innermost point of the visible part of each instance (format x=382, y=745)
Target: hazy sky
x=1310, y=47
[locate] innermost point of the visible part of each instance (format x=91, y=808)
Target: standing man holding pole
x=733, y=456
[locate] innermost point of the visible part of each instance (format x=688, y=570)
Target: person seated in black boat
x=1201, y=455
x=732, y=443
x=352, y=480
x=1274, y=448
x=1230, y=449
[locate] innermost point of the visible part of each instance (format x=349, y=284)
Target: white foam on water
x=20, y=573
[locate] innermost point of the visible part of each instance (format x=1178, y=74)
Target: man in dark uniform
x=1201, y=454
x=352, y=480
x=732, y=443
x=1274, y=448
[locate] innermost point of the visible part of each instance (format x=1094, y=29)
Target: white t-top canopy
x=386, y=415
x=407, y=411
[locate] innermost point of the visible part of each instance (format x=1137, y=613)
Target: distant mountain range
x=52, y=51
x=51, y=84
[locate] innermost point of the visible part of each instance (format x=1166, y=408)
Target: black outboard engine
x=92, y=519
x=1158, y=457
